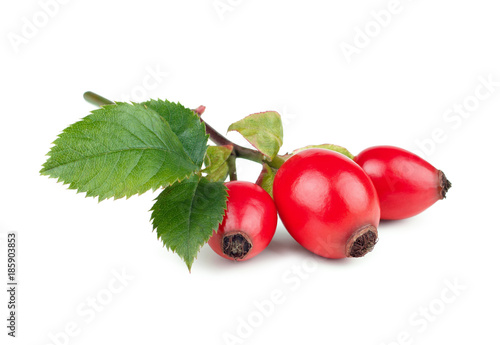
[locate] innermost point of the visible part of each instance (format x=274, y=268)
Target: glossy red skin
x=250, y=210
x=323, y=197
x=406, y=184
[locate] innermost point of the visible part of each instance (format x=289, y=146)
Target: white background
x=260, y=55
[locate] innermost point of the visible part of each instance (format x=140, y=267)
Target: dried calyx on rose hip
x=249, y=223
x=327, y=203
x=406, y=184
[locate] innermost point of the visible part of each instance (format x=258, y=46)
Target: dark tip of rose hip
x=444, y=184
x=362, y=242
x=236, y=245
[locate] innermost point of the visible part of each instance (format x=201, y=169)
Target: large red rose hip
x=327, y=203
x=406, y=184
x=249, y=223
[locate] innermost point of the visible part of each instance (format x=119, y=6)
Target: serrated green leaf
x=331, y=147
x=266, y=179
x=263, y=130
x=186, y=214
x=186, y=125
x=119, y=150
x=216, y=165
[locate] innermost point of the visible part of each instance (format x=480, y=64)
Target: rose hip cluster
x=329, y=203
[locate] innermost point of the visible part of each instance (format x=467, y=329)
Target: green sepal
x=266, y=178
x=263, y=130
x=331, y=147
x=216, y=165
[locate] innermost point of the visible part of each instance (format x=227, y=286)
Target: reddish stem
x=216, y=137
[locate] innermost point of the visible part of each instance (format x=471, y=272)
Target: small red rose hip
x=327, y=203
x=249, y=223
x=406, y=184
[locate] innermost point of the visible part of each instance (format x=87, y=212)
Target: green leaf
x=266, y=179
x=119, y=150
x=331, y=147
x=186, y=214
x=263, y=130
x=186, y=125
x=216, y=165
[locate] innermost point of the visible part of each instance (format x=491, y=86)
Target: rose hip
x=327, y=203
x=249, y=223
x=406, y=184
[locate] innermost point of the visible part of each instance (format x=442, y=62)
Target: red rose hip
x=249, y=223
x=327, y=203
x=406, y=184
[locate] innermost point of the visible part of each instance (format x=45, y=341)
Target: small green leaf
x=186, y=125
x=220, y=174
x=117, y=151
x=263, y=130
x=266, y=179
x=331, y=147
x=216, y=165
x=186, y=214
